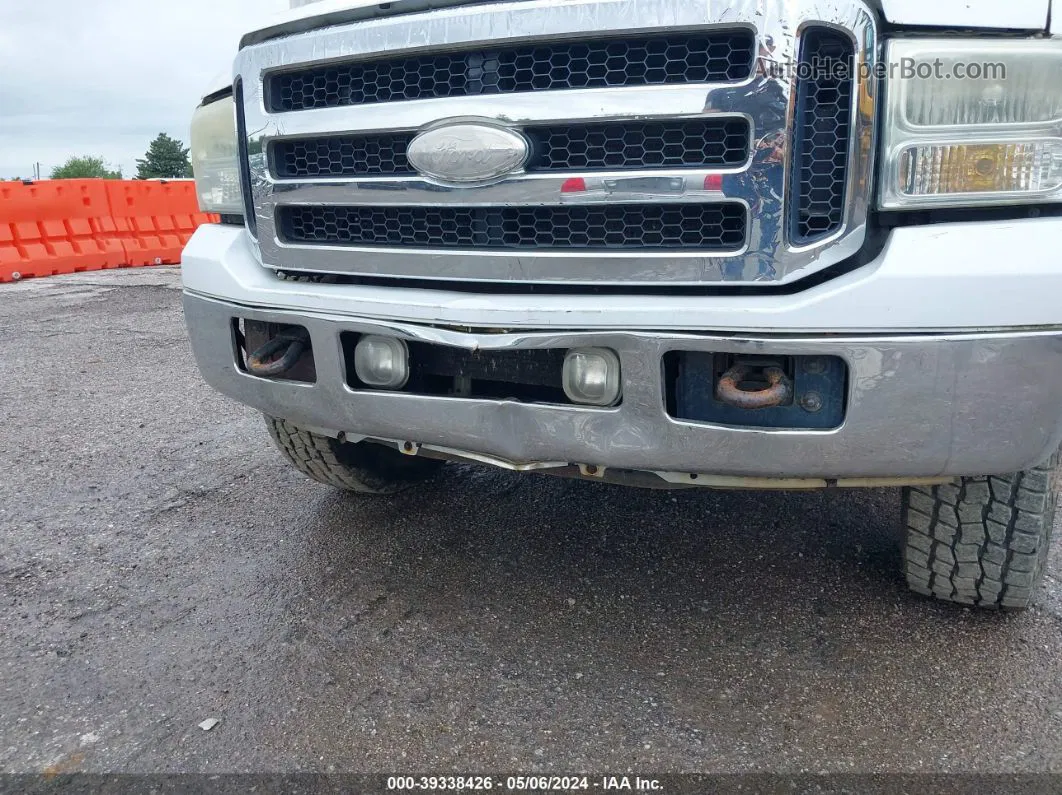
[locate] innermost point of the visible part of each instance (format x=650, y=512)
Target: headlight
x=972, y=123
x=215, y=158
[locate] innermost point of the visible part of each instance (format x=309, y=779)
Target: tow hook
x=779, y=389
x=264, y=361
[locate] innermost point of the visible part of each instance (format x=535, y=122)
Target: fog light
x=382, y=362
x=592, y=376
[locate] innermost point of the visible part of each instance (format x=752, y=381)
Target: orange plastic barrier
x=154, y=220
x=66, y=226
x=53, y=227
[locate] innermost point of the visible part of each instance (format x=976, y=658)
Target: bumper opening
x=526, y=376
x=813, y=397
x=280, y=351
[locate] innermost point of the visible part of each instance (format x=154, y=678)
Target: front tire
x=982, y=541
x=364, y=468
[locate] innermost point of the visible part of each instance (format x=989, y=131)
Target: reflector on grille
x=696, y=143
x=708, y=227
x=822, y=134
x=716, y=57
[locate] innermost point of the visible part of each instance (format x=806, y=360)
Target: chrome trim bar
x=766, y=99
x=681, y=101
x=656, y=186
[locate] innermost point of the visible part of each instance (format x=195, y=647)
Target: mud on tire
x=364, y=468
x=982, y=541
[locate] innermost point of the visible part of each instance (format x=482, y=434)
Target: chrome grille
x=706, y=143
x=713, y=227
x=708, y=58
x=799, y=178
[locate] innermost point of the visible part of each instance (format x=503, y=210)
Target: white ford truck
x=672, y=243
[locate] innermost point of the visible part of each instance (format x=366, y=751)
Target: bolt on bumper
x=918, y=406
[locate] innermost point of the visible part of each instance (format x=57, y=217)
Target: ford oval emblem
x=467, y=152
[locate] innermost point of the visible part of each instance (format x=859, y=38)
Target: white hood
x=1008, y=15
x=998, y=14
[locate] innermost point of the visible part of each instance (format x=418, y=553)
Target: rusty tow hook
x=292, y=343
x=778, y=392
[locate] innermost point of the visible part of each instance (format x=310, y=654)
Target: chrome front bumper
x=920, y=406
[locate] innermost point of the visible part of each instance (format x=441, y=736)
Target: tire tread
x=981, y=541
x=363, y=468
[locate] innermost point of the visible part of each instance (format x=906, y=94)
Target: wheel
x=365, y=468
x=982, y=541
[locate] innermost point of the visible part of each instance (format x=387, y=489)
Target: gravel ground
x=160, y=565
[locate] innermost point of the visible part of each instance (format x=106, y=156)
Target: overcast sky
x=104, y=77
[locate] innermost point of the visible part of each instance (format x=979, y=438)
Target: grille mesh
x=717, y=143
x=711, y=227
x=723, y=56
x=343, y=156
x=822, y=135
x=705, y=143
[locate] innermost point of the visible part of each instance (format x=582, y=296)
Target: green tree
x=87, y=167
x=166, y=158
